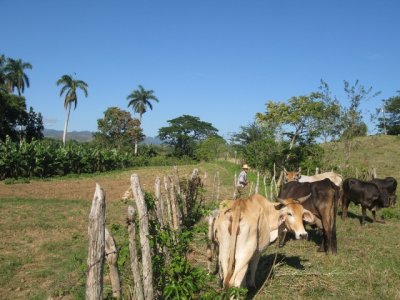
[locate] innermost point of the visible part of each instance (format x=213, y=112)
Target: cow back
x=365, y=193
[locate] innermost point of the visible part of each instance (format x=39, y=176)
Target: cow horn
x=281, y=201
x=304, y=198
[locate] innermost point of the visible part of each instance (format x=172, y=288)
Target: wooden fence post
x=135, y=267
x=144, y=241
x=257, y=183
x=174, y=206
x=159, y=203
x=265, y=185
x=96, y=230
x=167, y=198
x=111, y=254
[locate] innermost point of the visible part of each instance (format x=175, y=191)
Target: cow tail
x=210, y=240
x=335, y=210
x=232, y=244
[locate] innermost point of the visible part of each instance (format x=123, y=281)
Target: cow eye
x=289, y=213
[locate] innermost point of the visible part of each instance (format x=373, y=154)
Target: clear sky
x=219, y=60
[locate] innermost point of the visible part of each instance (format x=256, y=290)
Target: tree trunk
x=66, y=123
x=111, y=253
x=96, y=230
x=144, y=240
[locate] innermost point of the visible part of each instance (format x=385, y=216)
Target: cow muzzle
x=302, y=236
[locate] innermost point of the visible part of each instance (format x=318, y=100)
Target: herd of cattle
x=240, y=230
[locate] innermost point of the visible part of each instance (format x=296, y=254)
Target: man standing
x=241, y=191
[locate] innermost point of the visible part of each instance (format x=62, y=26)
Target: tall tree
x=352, y=124
x=70, y=87
x=34, y=126
x=140, y=100
x=301, y=114
x=16, y=76
x=12, y=113
x=390, y=118
x=118, y=129
x=2, y=73
x=329, y=123
x=184, y=133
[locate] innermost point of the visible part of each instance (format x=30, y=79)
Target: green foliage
x=262, y=154
x=12, y=113
x=390, y=121
x=184, y=133
x=211, y=149
x=300, y=113
x=139, y=100
x=118, y=129
x=49, y=158
x=33, y=126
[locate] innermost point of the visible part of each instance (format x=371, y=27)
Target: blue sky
x=216, y=59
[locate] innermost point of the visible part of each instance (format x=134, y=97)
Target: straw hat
x=245, y=166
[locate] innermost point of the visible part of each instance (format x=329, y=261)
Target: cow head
x=385, y=198
x=292, y=216
x=291, y=176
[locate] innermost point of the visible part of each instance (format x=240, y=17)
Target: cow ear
x=282, y=216
x=308, y=216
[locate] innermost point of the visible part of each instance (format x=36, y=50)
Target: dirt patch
x=115, y=185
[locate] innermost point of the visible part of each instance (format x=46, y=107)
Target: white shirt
x=242, y=179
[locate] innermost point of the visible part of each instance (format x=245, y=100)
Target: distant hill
x=80, y=136
x=86, y=136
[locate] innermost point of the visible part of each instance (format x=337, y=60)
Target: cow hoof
x=380, y=221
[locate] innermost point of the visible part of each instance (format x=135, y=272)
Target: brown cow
x=323, y=204
x=243, y=229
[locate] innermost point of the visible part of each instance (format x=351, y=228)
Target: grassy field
x=44, y=237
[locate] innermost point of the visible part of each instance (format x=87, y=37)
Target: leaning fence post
x=96, y=230
x=111, y=254
x=137, y=279
x=144, y=241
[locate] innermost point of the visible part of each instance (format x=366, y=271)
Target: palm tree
x=140, y=100
x=70, y=86
x=2, y=73
x=15, y=75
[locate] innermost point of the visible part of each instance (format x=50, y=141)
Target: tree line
x=287, y=133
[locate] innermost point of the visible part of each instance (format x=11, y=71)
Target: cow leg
x=282, y=237
x=364, y=213
x=345, y=206
x=377, y=220
x=251, y=277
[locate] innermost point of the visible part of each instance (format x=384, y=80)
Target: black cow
x=322, y=203
x=367, y=194
x=390, y=185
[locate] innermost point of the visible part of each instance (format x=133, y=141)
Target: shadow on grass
x=265, y=267
x=351, y=215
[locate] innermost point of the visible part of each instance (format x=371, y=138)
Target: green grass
x=44, y=243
